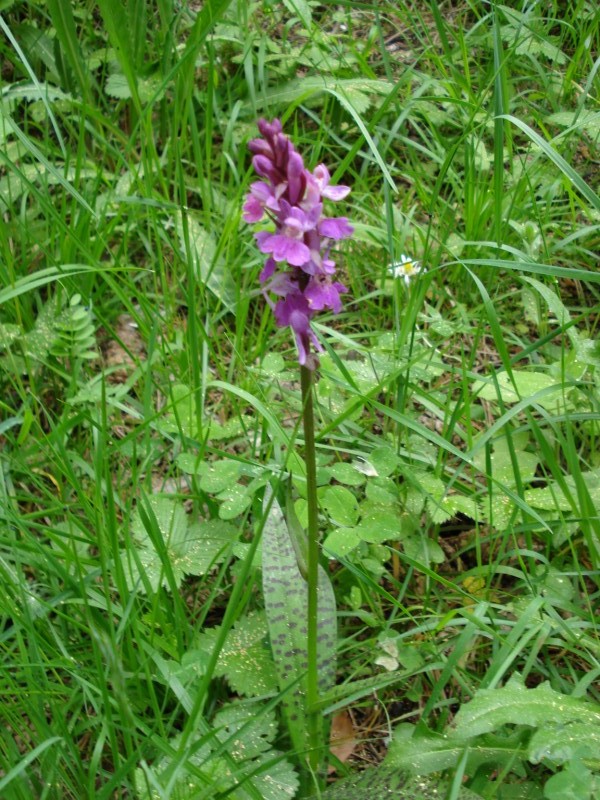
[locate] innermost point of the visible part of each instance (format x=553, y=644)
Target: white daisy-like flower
x=406, y=268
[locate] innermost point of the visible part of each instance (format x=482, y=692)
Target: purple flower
x=294, y=310
x=336, y=228
x=322, y=293
x=262, y=197
x=299, y=269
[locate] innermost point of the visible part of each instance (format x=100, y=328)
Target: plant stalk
x=314, y=715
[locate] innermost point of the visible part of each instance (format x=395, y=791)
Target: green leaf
x=234, y=501
x=381, y=783
x=575, y=782
x=190, y=550
x=240, y=749
x=216, y=476
x=588, y=121
x=341, y=541
x=384, y=460
x=286, y=602
x=346, y=473
x=562, y=743
x=302, y=9
x=341, y=505
x=514, y=704
x=379, y=525
x=425, y=754
x=502, y=465
x=424, y=550
x=117, y=86
x=205, y=545
x=526, y=384
x=8, y=334
x=245, y=659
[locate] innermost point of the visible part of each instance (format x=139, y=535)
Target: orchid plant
x=299, y=273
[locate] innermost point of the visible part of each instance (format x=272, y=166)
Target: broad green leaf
x=286, y=602
x=353, y=88
x=424, y=755
x=116, y=86
x=502, y=466
x=180, y=415
x=384, y=460
x=380, y=525
x=206, y=544
x=526, y=384
x=515, y=704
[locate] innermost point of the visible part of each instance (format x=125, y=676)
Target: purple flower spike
x=299, y=269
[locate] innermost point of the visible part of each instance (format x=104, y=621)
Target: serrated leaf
x=116, y=86
x=257, y=732
x=575, y=782
x=286, y=602
x=239, y=750
x=190, y=550
x=515, y=704
x=206, y=544
x=245, y=659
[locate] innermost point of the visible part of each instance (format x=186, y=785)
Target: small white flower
x=406, y=268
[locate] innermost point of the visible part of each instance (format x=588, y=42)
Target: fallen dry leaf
x=342, y=739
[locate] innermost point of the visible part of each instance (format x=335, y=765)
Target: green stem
x=314, y=716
